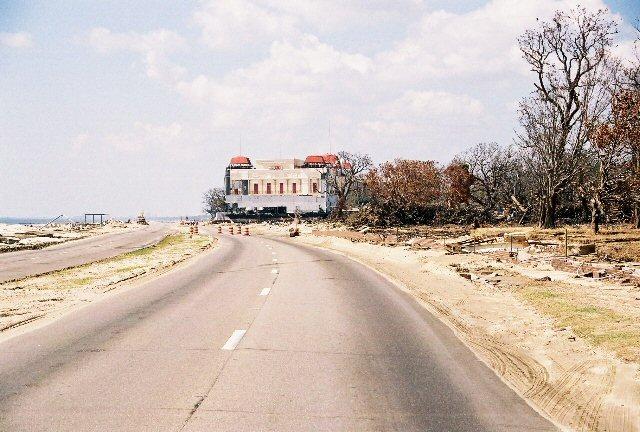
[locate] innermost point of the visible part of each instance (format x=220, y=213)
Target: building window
x=268, y=188
x=294, y=188
x=255, y=188
x=315, y=188
x=281, y=188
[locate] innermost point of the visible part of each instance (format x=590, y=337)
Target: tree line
x=575, y=156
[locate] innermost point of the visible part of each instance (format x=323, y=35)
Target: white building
x=280, y=185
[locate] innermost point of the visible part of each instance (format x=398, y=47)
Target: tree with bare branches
x=213, y=201
x=567, y=55
x=345, y=177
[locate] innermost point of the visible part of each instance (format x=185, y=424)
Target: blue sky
x=125, y=106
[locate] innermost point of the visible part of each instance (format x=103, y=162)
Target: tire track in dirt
x=562, y=399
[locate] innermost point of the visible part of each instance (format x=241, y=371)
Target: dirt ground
x=49, y=295
x=560, y=333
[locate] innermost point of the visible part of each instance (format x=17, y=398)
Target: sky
x=121, y=107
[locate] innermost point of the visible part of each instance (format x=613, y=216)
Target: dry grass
x=620, y=251
x=611, y=329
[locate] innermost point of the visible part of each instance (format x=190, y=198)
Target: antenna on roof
x=330, y=147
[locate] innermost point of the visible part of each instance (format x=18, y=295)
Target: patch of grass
x=598, y=325
x=540, y=295
x=128, y=269
x=168, y=241
x=81, y=281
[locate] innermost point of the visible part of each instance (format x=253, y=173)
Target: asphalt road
x=236, y=341
x=15, y=265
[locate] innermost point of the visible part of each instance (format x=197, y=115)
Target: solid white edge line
x=234, y=340
x=265, y=291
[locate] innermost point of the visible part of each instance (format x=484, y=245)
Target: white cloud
x=439, y=103
x=288, y=97
x=238, y=24
x=227, y=24
x=480, y=42
x=16, y=40
x=154, y=46
x=79, y=142
x=446, y=83
x=149, y=137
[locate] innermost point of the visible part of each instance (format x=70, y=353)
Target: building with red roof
x=280, y=185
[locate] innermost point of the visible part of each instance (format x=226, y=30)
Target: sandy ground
x=570, y=346
x=15, y=237
x=50, y=295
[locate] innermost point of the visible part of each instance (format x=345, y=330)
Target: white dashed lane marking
x=265, y=291
x=234, y=340
x=274, y=271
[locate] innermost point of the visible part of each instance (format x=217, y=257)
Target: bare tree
x=566, y=56
x=492, y=168
x=213, y=201
x=629, y=108
x=346, y=177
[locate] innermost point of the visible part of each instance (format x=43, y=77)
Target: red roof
x=240, y=160
x=346, y=165
x=331, y=159
x=314, y=159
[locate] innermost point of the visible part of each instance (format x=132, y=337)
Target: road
x=255, y=335
x=15, y=265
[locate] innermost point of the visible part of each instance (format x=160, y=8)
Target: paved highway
x=256, y=335
x=14, y=265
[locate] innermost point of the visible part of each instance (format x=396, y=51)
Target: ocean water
x=44, y=220
x=24, y=221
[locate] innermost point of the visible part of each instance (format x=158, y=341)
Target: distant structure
x=141, y=219
x=93, y=217
x=281, y=185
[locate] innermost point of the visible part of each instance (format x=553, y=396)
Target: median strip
x=26, y=299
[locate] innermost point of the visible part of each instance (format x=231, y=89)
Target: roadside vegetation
x=574, y=160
